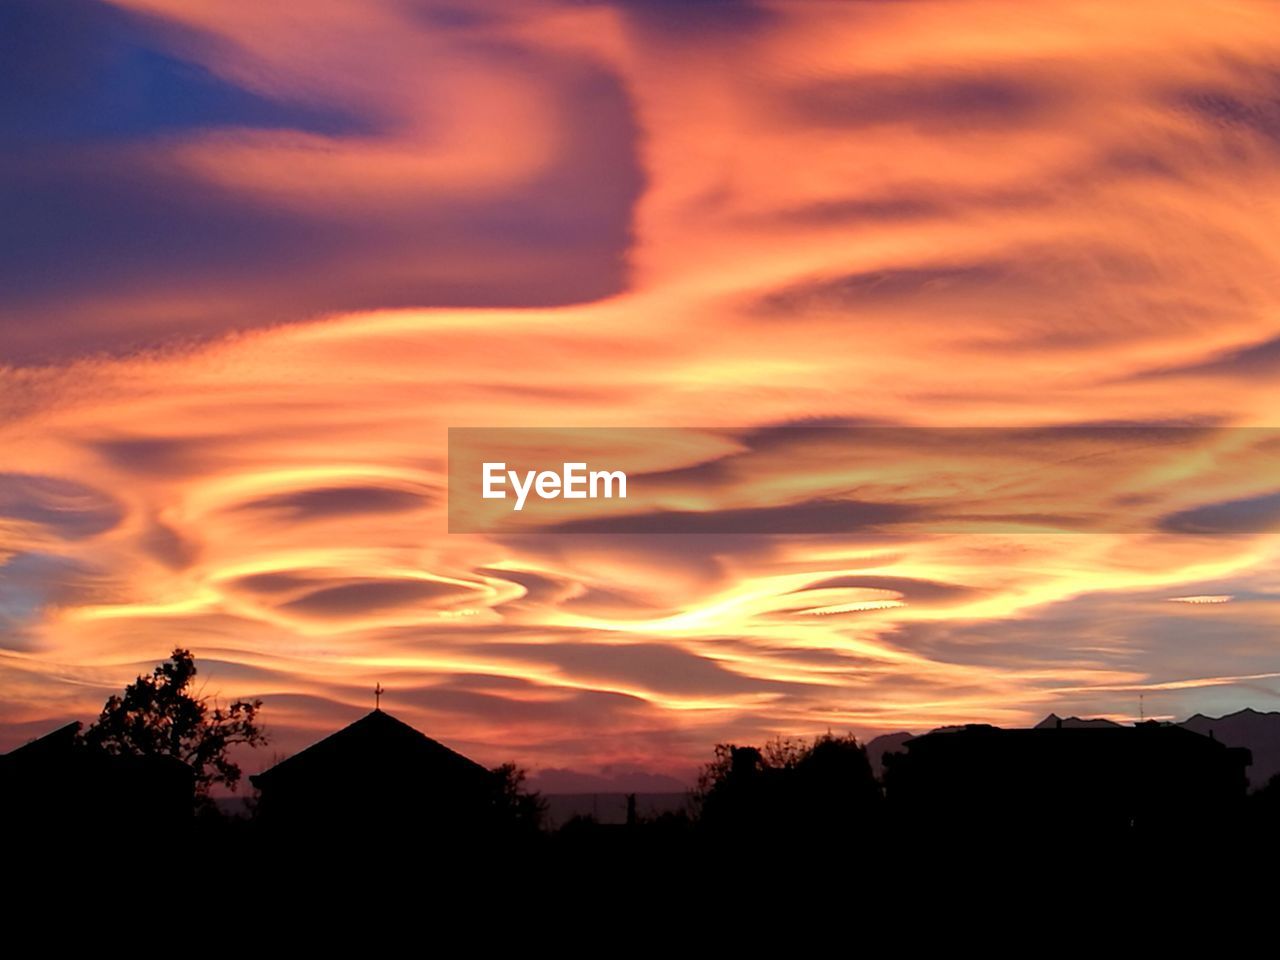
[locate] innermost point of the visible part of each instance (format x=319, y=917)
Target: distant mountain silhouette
x=1258, y=732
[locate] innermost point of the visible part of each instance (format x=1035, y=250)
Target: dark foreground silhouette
x=378, y=784
x=1088, y=801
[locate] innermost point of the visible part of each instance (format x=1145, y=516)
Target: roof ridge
x=378, y=730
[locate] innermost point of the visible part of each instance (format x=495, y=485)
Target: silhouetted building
x=378, y=775
x=1147, y=778
x=61, y=782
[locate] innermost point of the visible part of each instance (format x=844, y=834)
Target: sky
x=260, y=258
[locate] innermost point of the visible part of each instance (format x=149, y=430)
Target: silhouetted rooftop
x=375, y=741
x=55, y=742
x=1079, y=736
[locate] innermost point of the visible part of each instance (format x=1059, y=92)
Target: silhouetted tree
x=790, y=787
x=834, y=782
x=515, y=806
x=732, y=792
x=159, y=716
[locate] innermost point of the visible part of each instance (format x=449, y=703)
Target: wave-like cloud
x=259, y=264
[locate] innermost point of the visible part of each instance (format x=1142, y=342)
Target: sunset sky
x=259, y=258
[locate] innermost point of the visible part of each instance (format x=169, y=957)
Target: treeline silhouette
x=147, y=767
x=787, y=798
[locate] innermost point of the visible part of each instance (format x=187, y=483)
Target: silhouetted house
x=378, y=775
x=59, y=781
x=1150, y=777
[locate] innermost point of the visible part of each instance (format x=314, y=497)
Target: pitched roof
x=56, y=741
x=377, y=741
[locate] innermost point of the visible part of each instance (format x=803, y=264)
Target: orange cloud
x=974, y=215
